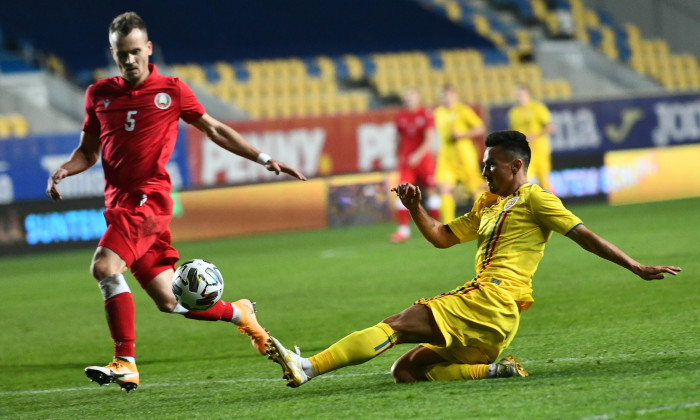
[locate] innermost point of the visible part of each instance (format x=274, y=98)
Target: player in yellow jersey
x=457, y=125
x=533, y=119
x=463, y=331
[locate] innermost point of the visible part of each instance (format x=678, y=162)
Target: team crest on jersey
x=107, y=102
x=163, y=100
x=510, y=203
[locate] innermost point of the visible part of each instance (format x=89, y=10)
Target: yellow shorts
x=478, y=322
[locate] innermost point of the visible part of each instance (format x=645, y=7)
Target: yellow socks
x=456, y=371
x=354, y=349
x=448, y=207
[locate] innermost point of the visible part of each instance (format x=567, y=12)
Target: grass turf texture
x=599, y=342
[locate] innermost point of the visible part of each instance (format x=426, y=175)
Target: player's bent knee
x=403, y=372
x=166, y=305
x=105, y=263
x=101, y=269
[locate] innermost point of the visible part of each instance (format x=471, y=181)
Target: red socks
x=222, y=311
x=119, y=310
x=402, y=217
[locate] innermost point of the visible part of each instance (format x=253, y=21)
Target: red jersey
x=411, y=127
x=138, y=129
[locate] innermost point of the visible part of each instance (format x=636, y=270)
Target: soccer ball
x=197, y=285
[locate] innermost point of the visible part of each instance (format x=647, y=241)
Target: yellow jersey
x=530, y=118
x=459, y=117
x=511, y=233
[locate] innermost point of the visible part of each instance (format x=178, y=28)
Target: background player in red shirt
x=416, y=164
x=132, y=120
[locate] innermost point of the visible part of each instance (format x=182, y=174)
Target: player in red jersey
x=416, y=164
x=132, y=120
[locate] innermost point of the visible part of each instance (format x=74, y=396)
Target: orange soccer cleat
x=248, y=325
x=120, y=371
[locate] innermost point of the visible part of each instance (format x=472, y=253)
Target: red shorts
x=137, y=230
x=422, y=174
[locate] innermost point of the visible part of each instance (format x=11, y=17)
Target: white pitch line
x=189, y=383
x=644, y=411
x=346, y=375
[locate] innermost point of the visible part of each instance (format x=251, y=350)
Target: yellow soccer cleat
x=290, y=362
x=506, y=368
x=248, y=325
x=120, y=371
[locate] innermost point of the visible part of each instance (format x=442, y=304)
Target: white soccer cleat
x=122, y=372
x=506, y=368
x=290, y=362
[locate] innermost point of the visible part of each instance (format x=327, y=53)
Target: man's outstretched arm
x=604, y=249
x=229, y=139
x=435, y=232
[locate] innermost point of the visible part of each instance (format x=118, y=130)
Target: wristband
x=263, y=158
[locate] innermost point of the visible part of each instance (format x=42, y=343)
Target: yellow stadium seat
x=359, y=102
x=497, y=38
x=592, y=19
x=666, y=80
x=222, y=91
x=539, y=8
x=564, y=89
x=633, y=33
x=453, y=10
x=659, y=47
x=344, y=103
x=694, y=79
x=552, y=23
x=688, y=61
x=5, y=129
x=326, y=67
x=18, y=125
x=481, y=24
x=354, y=65
x=225, y=71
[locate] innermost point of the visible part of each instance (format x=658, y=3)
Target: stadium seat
x=18, y=125
x=5, y=129
x=354, y=66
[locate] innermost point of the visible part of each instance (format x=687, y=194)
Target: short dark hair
x=127, y=22
x=513, y=142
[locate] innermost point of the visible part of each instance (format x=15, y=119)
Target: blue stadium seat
x=211, y=74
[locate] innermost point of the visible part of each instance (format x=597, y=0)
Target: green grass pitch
x=599, y=342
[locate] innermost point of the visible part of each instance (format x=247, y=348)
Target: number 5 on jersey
x=130, y=121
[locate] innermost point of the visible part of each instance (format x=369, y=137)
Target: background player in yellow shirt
x=533, y=119
x=463, y=331
x=457, y=125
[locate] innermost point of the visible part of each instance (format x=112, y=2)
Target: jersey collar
x=152, y=71
x=515, y=193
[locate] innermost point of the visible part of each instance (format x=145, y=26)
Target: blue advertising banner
x=607, y=125
x=25, y=165
x=36, y=226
